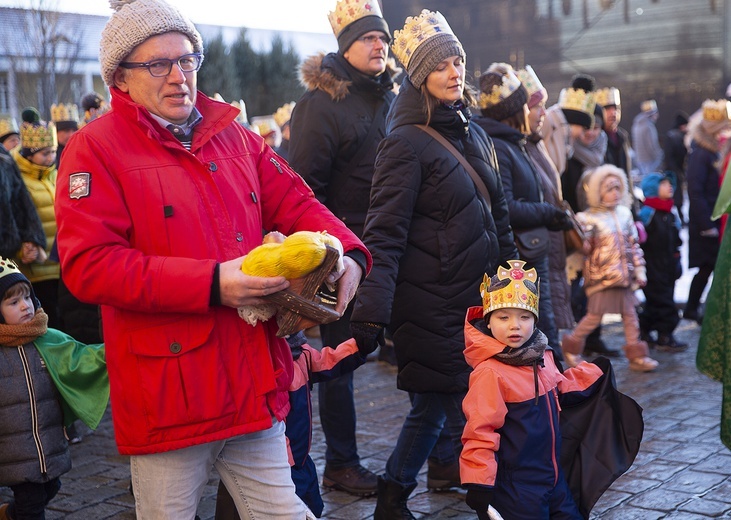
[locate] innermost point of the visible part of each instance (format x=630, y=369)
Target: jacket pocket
x=180, y=372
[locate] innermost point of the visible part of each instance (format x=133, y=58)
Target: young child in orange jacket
x=512, y=437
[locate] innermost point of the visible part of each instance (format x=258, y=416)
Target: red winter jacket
x=144, y=242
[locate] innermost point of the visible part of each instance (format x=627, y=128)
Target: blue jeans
x=431, y=414
x=253, y=467
x=31, y=498
x=336, y=402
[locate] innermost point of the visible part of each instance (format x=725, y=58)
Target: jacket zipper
x=553, y=434
x=33, y=410
x=276, y=164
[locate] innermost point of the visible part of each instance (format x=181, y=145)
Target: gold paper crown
x=719, y=110
x=513, y=288
x=648, y=106
x=348, y=11
x=283, y=114
x=577, y=99
x=418, y=29
x=529, y=79
x=510, y=83
x=67, y=112
x=8, y=125
x=607, y=96
x=38, y=135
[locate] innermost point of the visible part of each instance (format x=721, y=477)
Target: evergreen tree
x=246, y=68
x=218, y=73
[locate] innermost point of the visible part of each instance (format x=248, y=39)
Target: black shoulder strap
x=461, y=158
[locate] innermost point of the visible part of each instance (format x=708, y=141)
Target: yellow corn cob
x=298, y=255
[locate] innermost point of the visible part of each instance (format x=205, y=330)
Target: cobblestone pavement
x=683, y=471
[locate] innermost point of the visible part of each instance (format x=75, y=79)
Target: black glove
x=368, y=336
x=479, y=498
x=560, y=222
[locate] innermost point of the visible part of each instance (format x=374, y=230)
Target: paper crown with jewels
x=577, y=99
x=536, y=91
x=499, y=92
x=416, y=31
x=513, y=287
x=284, y=114
x=606, y=97
x=348, y=11
x=64, y=112
x=8, y=125
x=35, y=136
x=716, y=110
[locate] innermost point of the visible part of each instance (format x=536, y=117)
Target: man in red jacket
x=158, y=201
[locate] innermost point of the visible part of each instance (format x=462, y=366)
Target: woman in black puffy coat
x=433, y=237
x=504, y=106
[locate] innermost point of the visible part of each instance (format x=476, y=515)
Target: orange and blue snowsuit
x=512, y=437
x=310, y=367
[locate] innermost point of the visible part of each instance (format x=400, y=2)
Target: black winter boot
x=392, y=499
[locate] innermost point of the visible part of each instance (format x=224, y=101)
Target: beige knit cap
x=133, y=22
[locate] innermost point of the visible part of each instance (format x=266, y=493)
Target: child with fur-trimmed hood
x=512, y=439
x=614, y=266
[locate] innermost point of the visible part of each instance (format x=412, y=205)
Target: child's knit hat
x=651, y=182
x=11, y=275
x=513, y=287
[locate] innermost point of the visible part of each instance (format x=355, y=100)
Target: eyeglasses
x=372, y=38
x=162, y=67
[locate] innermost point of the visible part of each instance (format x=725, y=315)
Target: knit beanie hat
x=650, y=184
x=502, y=95
x=423, y=43
x=9, y=276
x=35, y=134
x=351, y=19
x=91, y=100
x=133, y=22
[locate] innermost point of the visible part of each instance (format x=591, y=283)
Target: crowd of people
x=126, y=229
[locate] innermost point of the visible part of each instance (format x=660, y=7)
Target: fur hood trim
x=313, y=76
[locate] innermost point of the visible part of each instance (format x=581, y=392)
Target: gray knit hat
x=423, y=43
x=133, y=22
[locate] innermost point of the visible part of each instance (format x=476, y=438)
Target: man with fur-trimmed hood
x=335, y=130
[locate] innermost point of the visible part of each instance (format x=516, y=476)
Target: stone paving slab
x=682, y=471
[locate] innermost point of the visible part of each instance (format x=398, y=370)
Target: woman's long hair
x=469, y=99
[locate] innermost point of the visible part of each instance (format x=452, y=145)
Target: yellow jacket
x=41, y=184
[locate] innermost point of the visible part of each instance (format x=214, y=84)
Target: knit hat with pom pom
x=133, y=22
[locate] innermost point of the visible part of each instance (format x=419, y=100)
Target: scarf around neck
x=19, y=335
x=527, y=354
x=659, y=204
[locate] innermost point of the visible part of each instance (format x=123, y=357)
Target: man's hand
x=347, y=281
x=239, y=289
x=28, y=252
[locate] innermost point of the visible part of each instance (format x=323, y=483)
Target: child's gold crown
x=511, y=288
x=348, y=11
x=35, y=136
x=607, y=96
x=64, y=112
x=719, y=110
x=416, y=30
x=577, y=99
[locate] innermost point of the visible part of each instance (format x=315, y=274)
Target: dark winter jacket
x=19, y=220
x=329, y=127
x=33, y=447
x=432, y=240
x=703, y=188
x=521, y=184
